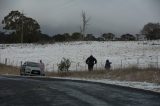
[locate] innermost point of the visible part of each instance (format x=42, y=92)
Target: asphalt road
x=15, y=91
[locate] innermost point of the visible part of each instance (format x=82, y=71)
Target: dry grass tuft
x=128, y=74
x=8, y=70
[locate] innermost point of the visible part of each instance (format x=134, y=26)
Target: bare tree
x=22, y=15
x=85, y=21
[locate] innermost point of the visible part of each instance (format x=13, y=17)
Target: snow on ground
x=120, y=53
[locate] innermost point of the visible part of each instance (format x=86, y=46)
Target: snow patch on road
x=140, y=85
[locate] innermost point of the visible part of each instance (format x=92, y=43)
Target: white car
x=31, y=68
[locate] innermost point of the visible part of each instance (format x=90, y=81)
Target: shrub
x=64, y=65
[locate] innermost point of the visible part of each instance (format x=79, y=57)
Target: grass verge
x=8, y=70
x=129, y=74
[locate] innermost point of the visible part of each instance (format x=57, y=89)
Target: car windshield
x=32, y=64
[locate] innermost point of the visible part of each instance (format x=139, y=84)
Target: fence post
x=5, y=61
x=121, y=64
x=102, y=65
x=76, y=66
x=0, y=58
x=53, y=67
x=96, y=66
x=16, y=62
x=137, y=62
x=58, y=68
x=157, y=62
x=21, y=63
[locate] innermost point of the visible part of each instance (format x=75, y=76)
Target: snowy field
x=122, y=54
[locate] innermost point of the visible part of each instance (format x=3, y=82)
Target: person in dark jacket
x=91, y=61
x=42, y=67
x=108, y=65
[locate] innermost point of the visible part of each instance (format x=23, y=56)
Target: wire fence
x=140, y=62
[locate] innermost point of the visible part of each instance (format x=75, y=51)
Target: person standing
x=42, y=67
x=108, y=65
x=90, y=61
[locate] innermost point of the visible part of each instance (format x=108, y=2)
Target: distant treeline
x=44, y=38
x=23, y=29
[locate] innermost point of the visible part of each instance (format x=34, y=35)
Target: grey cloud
x=58, y=16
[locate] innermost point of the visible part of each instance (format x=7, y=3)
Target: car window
x=33, y=64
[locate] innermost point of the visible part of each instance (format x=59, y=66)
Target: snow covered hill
x=120, y=53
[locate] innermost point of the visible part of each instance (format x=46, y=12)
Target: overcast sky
x=60, y=16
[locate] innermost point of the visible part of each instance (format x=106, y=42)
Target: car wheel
x=21, y=73
x=43, y=75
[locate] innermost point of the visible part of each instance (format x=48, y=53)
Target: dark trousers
x=107, y=68
x=90, y=67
